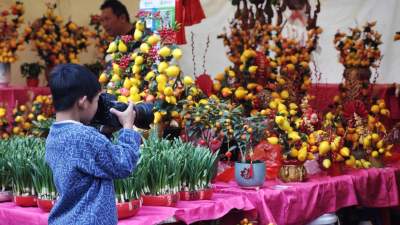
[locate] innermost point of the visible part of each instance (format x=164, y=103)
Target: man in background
x=115, y=18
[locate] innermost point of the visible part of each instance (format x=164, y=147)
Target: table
x=300, y=203
x=186, y=211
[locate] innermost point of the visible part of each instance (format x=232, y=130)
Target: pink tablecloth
x=186, y=211
x=300, y=203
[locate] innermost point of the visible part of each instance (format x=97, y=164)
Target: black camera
x=144, y=112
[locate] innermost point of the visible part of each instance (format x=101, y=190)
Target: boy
x=83, y=161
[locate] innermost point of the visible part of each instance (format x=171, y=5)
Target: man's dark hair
x=69, y=82
x=117, y=7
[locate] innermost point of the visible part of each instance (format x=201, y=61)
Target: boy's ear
x=81, y=101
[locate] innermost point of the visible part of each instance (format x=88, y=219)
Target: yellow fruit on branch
x=137, y=35
x=122, y=46
x=164, y=52
x=153, y=39
x=187, y=80
x=177, y=53
x=326, y=163
x=240, y=93
x=324, y=147
x=172, y=71
x=273, y=140
x=162, y=67
x=345, y=152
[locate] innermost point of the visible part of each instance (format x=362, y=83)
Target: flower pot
x=32, y=82
x=128, y=209
x=25, y=201
x=206, y=194
x=189, y=195
x=5, y=74
x=161, y=200
x=45, y=204
x=250, y=174
x=292, y=173
x=6, y=196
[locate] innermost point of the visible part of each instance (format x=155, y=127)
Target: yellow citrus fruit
x=273, y=140
x=177, y=53
x=173, y=71
x=164, y=52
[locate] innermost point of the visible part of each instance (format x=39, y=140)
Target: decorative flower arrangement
x=271, y=76
x=10, y=40
x=352, y=131
x=102, y=39
x=3, y=123
x=360, y=47
x=56, y=42
x=144, y=70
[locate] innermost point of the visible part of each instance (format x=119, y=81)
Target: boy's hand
x=127, y=117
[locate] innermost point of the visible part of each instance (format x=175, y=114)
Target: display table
x=186, y=211
x=300, y=203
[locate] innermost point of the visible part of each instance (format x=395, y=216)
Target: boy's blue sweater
x=84, y=164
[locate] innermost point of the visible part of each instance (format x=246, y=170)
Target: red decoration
x=271, y=155
x=356, y=107
x=187, y=13
x=205, y=83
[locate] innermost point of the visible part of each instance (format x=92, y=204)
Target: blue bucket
x=245, y=179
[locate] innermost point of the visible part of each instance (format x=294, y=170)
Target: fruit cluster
x=143, y=69
x=360, y=47
x=10, y=40
x=3, y=123
x=56, y=42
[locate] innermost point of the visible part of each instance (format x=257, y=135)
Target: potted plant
x=31, y=72
x=19, y=162
x=161, y=171
x=43, y=179
x=5, y=176
x=127, y=196
x=246, y=132
x=197, y=171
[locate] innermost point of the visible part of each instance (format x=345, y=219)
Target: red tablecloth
x=300, y=203
x=187, y=211
x=11, y=96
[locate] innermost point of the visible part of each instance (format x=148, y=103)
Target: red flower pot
x=25, y=201
x=32, y=82
x=45, y=204
x=128, y=209
x=161, y=200
x=189, y=195
x=206, y=194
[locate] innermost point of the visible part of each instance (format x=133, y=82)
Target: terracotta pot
x=25, y=201
x=45, y=204
x=32, y=82
x=6, y=196
x=161, y=200
x=128, y=209
x=292, y=173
